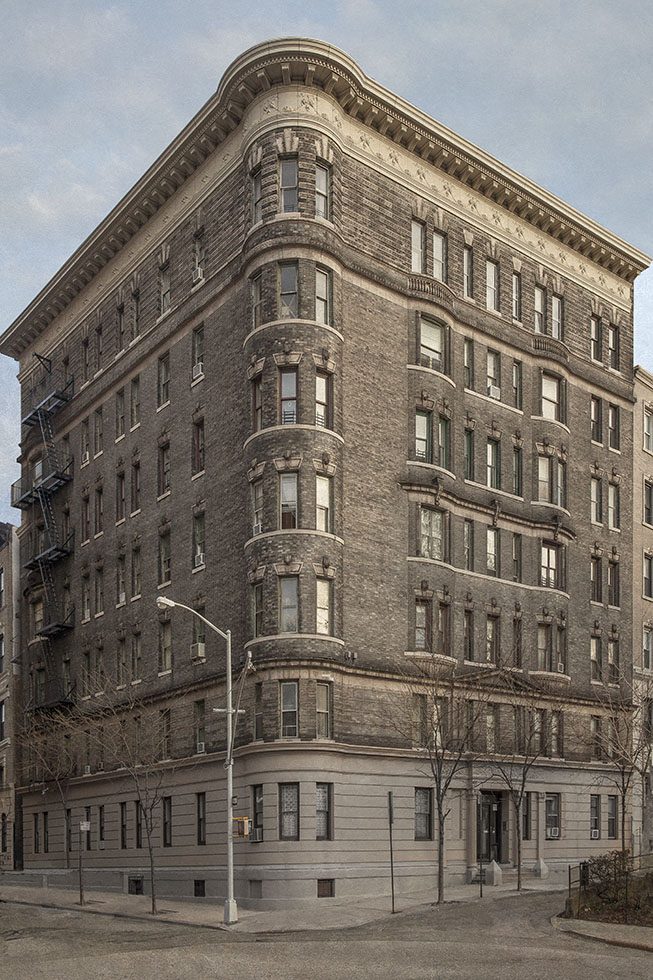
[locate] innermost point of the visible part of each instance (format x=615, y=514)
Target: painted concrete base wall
x=356, y=859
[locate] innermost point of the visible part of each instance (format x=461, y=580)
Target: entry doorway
x=489, y=835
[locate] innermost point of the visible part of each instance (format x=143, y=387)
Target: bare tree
x=137, y=738
x=621, y=735
x=49, y=756
x=536, y=734
x=447, y=708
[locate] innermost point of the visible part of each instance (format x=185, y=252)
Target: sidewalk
x=329, y=914
x=634, y=937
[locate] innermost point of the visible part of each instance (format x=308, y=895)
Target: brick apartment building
x=643, y=585
x=360, y=393
x=9, y=697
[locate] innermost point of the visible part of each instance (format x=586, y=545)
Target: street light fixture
x=230, y=906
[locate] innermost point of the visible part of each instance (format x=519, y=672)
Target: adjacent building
x=349, y=386
x=643, y=598
x=10, y=841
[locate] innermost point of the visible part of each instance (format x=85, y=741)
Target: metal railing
x=607, y=878
x=48, y=394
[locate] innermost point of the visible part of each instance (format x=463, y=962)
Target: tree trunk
x=441, y=821
x=150, y=851
x=518, y=807
x=623, y=823
x=67, y=831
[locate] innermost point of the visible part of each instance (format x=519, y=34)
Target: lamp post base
x=230, y=912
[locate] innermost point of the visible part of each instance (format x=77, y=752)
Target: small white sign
x=84, y=825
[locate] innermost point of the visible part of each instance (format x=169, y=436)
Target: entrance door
x=489, y=828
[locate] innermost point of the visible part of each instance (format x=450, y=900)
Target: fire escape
x=50, y=543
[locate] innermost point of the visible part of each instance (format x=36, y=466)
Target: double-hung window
x=596, y=500
x=423, y=813
x=551, y=395
x=289, y=811
x=323, y=191
x=613, y=427
x=422, y=624
x=648, y=429
x=288, y=290
x=557, y=322
x=492, y=285
x=288, y=692
x=493, y=464
x=163, y=381
x=432, y=533
x=595, y=658
x=443, y=446
x=323, y=811
x=493, y=381
x=614, y=352
x=288, y=185
x=257, y=196
x=492, y=639
x=614, y=509
x=552, y=815
x=468, y=272
x=423, y=441
x=324, y=607
x=596, y=419
x=432, y=349
x=595, y=816
x=539, y=310
x=596, y=579
x=288, y=604
x=468, y=363
x=323, y=296
x=323, y=709
x=418, y=247
x=492, y=561
x=288, y=501
x=288, y=396
x=550, y=575
x=323, y=504
x=516, y=296
x=439, y=256
x=596, y=339
x=647, y=648
x=323, y=399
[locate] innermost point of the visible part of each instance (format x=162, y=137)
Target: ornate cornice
x=315, y=66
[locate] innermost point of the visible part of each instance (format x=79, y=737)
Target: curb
x=556, y=921
x=116, y=915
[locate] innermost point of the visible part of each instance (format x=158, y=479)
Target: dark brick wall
x=375, y=316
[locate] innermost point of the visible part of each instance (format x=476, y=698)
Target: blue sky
x=91, y=92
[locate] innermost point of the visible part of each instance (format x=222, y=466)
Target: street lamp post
x=230, y=906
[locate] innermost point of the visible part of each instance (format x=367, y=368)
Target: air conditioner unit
x=198, y=370
x=197, y=651
x=87, y=770
x=554, y=832
x=494, y=391
x=86, y=458
x=198, y=275
x=561, y=667
x=256, y=528
x=594, y=835
x=199, y=559
x=201, y=748
x=256, y=834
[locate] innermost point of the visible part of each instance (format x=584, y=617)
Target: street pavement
x=505, y=937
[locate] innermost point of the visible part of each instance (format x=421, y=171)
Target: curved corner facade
x=367, y=401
